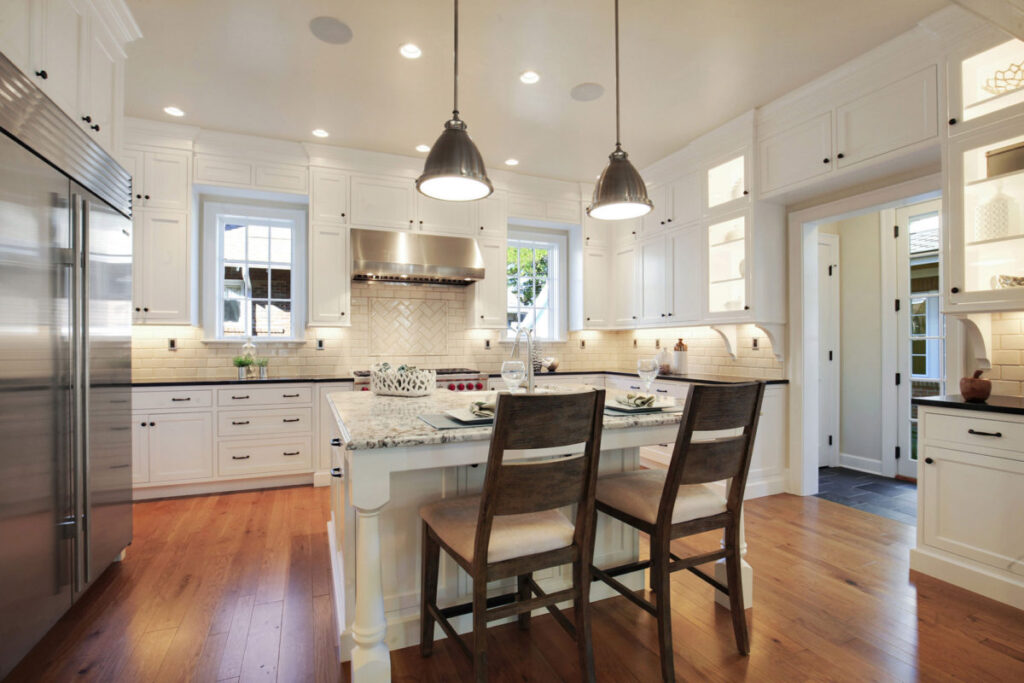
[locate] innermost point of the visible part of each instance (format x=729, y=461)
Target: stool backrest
x=565, y=430
x=714, y=408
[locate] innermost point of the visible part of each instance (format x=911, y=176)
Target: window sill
x=510, y=342
x=280, y=343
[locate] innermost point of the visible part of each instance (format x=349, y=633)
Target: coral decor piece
x=405, y=380
x=1005, y=80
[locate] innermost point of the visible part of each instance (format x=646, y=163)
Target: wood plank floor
x=237, y=587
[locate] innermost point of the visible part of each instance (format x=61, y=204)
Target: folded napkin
x=482, y=408
x=636, y=400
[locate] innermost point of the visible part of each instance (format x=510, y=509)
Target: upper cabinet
x=16, y=32
x=435, y=215
x=726, y=182
x=493, y=215
x=383, y=202
x=797, y=154
x=212, y=169
x=984, y=82
x=101, y=86
x=675, y=203
x=60, y=37
x=536, y=208
x=330, y=260
x=328, y=201
x=487, y=301
x=160, y=179
x=728, y=246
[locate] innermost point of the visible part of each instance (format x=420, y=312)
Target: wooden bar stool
x=679, y=502
x=515, y=528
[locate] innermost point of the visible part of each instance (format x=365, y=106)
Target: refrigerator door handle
x=75, y=487
x=83, y=336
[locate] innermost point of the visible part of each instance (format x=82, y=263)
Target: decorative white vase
x=679, y=364
x=993, y=219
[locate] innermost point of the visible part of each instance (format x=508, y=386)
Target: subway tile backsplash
x=429, y=323
x=1007, y=373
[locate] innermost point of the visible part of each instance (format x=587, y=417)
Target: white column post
x=371, y=659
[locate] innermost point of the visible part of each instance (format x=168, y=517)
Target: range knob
x=462, y=387
x=365, y=389
x=451, y=387
x=479, y=386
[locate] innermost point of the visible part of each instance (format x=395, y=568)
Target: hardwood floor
x=237, y=587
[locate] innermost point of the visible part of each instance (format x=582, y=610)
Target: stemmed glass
x=513, y=372
x=647, y=369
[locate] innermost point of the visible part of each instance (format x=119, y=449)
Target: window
x=536, y=269
x=254, y=272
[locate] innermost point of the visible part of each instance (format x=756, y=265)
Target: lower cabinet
x=173, y=446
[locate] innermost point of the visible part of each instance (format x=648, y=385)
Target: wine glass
x=647, y=368
x=513, y=372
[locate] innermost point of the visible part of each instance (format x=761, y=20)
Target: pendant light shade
x=620, y=192
x=454, y=170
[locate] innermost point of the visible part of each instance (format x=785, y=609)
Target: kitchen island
x=387, y=464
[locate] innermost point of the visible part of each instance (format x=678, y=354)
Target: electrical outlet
x=657, y=343
x=755, y=344
x=583, y=344
x=319, y=344
x=172, y=344
x=634, y=344
x=487, y=344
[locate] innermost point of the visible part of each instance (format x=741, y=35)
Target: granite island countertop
x=368, y=421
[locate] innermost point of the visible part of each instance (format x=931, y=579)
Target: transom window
x=535, y=270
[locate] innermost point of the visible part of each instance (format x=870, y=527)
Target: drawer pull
x=662, y=391
x=997, y=435
x=633, y=387
x=336, y=472
x=291, y=453
x=292, y=419
x=187, y=398
x=239, y=422
x=336, y=441
x=289, y=395
x=239, y=398
x=240, y=457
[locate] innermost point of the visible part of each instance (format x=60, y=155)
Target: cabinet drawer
x=974, y=431
x=161, y=400
x=263, y=457
x=263, y=396
x=285, y=420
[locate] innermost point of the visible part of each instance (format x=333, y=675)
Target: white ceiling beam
x=1006, y=14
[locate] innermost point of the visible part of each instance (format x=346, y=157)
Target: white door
x=654, y=282
x=382, y=202
x=798, y=154
x=654, y=222
x=329, y=201
x=491, y=294
x=687, y=273
x=685, y=196
x=162, y=267
x=100, y=88
x=493, y=215
x=891, y=117
x=596, y=280
x=828, y=350
x=60, y=53
x=15, y=32
x=140, y=449
x=456, y=218
x=329, y=279
x=165, y=180
x=625, y=286
x=180, y=446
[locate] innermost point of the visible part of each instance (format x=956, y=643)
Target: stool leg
x=480, y=629
x=524, y=594
x=581, y=610
x=735, y=578
x=660, y=579
x=428, y=590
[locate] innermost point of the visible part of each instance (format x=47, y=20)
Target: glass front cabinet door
x=986, y=82
x=728, y=242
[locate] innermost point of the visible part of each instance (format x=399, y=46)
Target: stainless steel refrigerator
x=65, y=363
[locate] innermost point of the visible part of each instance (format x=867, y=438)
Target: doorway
x=829, y=349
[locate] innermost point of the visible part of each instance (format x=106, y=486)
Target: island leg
x=371, y=659
x=746, y=572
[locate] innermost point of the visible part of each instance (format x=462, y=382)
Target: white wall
x=860, y=323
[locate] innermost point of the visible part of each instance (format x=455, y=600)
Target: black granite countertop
x=1013, y=405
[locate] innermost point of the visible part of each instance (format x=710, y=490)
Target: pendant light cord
x=455, y=110
x=618, y=142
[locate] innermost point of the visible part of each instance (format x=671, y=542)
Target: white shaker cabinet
x=100, y=86
x=452, y=218
x=675, y=203
x=59, y=36
x=383, y=202
x=797, y=154
x=328, y=202
x=330, y=261
x=684, y=247
x=493, y=215
x=160, y=178
x=625, y=289
x=16, y=32
x=597, y=278
x=654, y=265
x=178, y=446
x=161, y=273
x=487, y=300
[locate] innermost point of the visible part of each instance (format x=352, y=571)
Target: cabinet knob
x=481, y=317
x=42, y=74
x=826, y=160
x=481, y=227
x=342, y=214
x=152, y=424
x=421, y=223
x=145, y=196
x=668, y=220
x=929, y=461
x=955, y=290
x=143, y=424
x=840, y=156
x=952, y=121
x=634, y=232
x=87, y=118
x=343, y=312
x=746, y=192
x=145, y=309
x=670, y=315
x=746, y=308
x=95, y=127
x=138, y=309
x=634, y=317
x=663, y=222
x=138, y=196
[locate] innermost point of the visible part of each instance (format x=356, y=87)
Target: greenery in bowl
x=242, y=361
x=261, y=362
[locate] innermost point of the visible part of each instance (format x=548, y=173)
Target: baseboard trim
x=149, y=492
x=860, y=463
x=969, y=576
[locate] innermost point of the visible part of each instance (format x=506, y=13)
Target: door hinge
x=829, y=439
x=830, y=271
x=895, y=231
x=897, y=379
x=897, y=305
x=897, y=452
x=830, y=355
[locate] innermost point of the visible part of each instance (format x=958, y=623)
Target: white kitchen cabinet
x=16, y=32
x=140, y=448
x=488, y=298
x=894, y=116
x=596, y=233
x=725, y=182
x=328, y=202
x=675, y=203
x=974, y=99
x=100, y=86
x=281, y=178
x=597, y=278
x=211, y=169
x=685, y=249
x=654, y=222
x=161, y=179
x=330, y=287
x=215, y=170
x=625, y=289
x=654, y=264
x=728, y=250
x=797, y=154
x=59, y=37
x=452, y=218
x=178, y=446
x=161, y=271
x=535, y=208
x=383, y=202
x=493, y=215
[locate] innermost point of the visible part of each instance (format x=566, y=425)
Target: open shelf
x=725, y=243
x=1013, y=178
x=727, y=280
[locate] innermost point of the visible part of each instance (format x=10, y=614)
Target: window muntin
x=535, y=277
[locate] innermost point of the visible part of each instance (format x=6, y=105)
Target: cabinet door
x=727, y=250
x=100, y=87
x=453, y=218
x=490, y=295
x=685, y=197
x=382, y=202
x=798, y=154
x=493, y=215
x=132, y=161
x=165, y=177
x=687, y=274
x=595, y=232
x=330, y=263
x=140, y=449
x=61, y=32
x=162, y=267
x=654, y=222
x=180, y=446
x=891, y=117
x=654, y=282
x=625, y=284
x=973, y=505
x=281, y=178
x=596, y=280
x=15, y=32
x=329, y=200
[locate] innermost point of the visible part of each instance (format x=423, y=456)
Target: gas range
x=453, y=379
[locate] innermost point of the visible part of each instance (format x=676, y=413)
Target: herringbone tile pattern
x=408, y=327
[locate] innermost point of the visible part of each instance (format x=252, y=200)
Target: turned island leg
x=371, y=659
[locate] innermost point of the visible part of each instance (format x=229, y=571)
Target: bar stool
x=672, y=504
x=515, y=528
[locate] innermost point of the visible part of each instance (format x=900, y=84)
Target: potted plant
x=242, y=363
x=262, y=364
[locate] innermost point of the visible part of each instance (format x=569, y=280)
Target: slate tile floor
x=890, y=498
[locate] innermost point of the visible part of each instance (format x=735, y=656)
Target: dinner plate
x=659, y=404
x=466, y=416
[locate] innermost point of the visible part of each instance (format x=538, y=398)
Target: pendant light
x=620, y=192
x=454, y=170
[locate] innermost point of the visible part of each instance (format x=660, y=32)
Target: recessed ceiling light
x=410, y=51
x=529, y=77
x=331, y=30
x=320, y=133
x=511, y=162
x=586, y=92
x=422, y=148
x=174, y=111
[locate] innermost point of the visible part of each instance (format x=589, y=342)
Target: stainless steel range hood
x=381, y=255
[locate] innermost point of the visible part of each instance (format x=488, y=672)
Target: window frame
x=215, y=215
x=559, y=240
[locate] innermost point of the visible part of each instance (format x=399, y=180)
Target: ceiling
x=253, y=66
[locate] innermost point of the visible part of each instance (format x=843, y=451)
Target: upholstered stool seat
x=638, y=494
x=454, y=522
